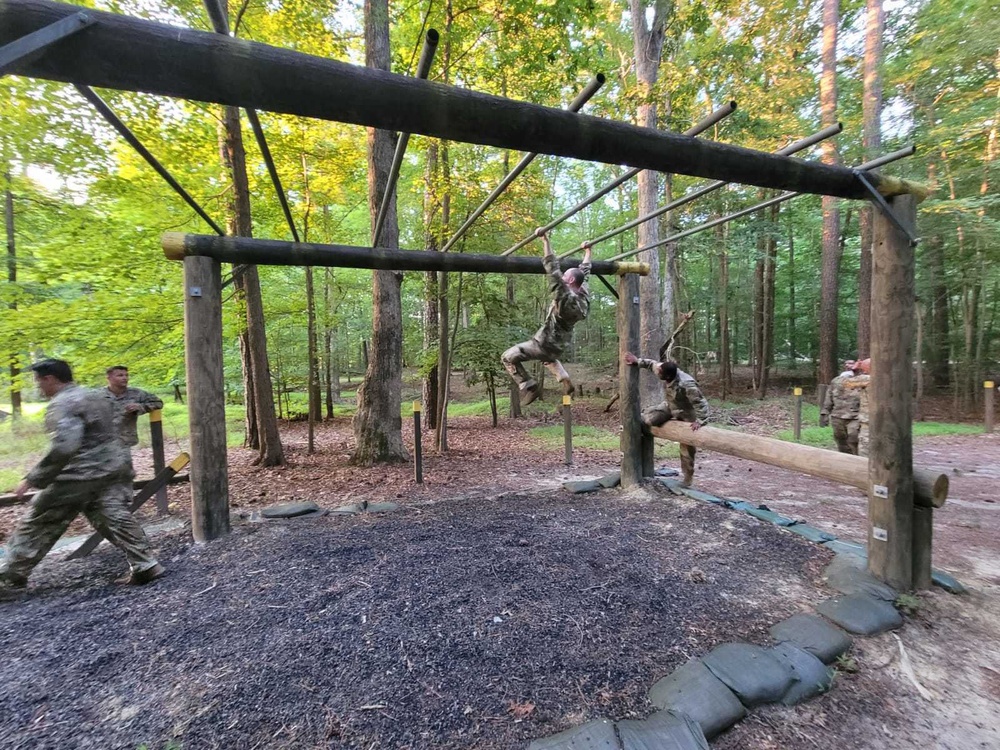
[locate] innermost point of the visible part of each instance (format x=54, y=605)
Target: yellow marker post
x=567, y=409
x=797, y=415
x=988, y=389
x=418, y=452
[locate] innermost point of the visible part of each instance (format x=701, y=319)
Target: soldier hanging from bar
x=570, y=305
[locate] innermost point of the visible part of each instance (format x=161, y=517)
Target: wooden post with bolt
x=891, y=552
x=628, y=379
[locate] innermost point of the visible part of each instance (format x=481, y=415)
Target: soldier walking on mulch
x=841, y=407
x=683, y=401
x=86, y=470
x=570, y=305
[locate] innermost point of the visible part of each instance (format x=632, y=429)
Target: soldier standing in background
x=859, y=386
x=86, y=470
x=570, y=305
x=683, y=401
x=128, y=404
x=841, y=407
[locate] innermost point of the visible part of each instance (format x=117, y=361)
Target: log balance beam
x=930, y=488
x=177, y=246
x=134, y=54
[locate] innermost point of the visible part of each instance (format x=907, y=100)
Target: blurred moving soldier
x=840, y=407
x=86, y=470
x=128, y=404
x=858, y=385
x=683, y=401
x=570, y=305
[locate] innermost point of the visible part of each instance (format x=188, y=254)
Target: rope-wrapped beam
x=177, y=246
x=133, y=54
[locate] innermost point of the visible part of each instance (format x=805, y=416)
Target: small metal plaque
x=880, y=490
x=881, y=535
x=195, y=291
x=635, y=300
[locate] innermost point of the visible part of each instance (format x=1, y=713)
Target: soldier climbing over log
x=570, y=305
x=683, y=401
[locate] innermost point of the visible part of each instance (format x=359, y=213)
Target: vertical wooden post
x=890, y=457
x=418, y=447
x=159, y=460
x=797, y=416
x=988, y=390
x=567, y=409
x=923, y=533
x=628, y=379
x=206, y=398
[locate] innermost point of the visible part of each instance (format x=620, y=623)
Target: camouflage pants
x=654, y=416
x=863, y=439
x=53, y=509
x=845, y=432
x=532, y=350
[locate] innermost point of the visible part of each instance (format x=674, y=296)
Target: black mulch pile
x=476, y=622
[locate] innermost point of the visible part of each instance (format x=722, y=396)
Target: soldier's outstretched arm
x=551, y=263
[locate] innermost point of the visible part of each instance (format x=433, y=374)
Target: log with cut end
x=930, y=487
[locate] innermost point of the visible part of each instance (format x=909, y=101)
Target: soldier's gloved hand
x=22, y=489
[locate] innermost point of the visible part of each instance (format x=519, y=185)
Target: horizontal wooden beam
x=177, y=246
x=133, y=54
x=930, y=487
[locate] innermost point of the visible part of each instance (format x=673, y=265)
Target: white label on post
x=195, y=291
x=635, y=300
x=880, y=534
x=880, y=490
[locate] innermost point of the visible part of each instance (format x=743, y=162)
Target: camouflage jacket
x=85, y=446
x=682, y=394
x=858, y=386
x=567, y=309
x=840, y=402
x=125, y=421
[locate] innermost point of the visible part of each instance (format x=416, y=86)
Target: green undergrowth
x=594, y=438
x=822, y=437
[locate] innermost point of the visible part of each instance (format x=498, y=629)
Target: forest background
x=87, y=280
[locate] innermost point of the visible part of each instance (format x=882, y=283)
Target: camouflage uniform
x=841, y=406
x=683, y=401
x=125, y=421
x=86, y=470
x=550, y=341
x=859, y=386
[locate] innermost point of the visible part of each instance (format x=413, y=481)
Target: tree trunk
x=770, y=262
x=262, y=422
x=725, y=355
x=377, y=423
x=940, y=324
x=871, y=135
x=430, y=383
x=757, y=329
x=444, y=356
x=918, y=410
x=513, y=391
x=648, y=46
x=792, y=355
x=15, y=389
x=830, y=277
x=315, y=407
